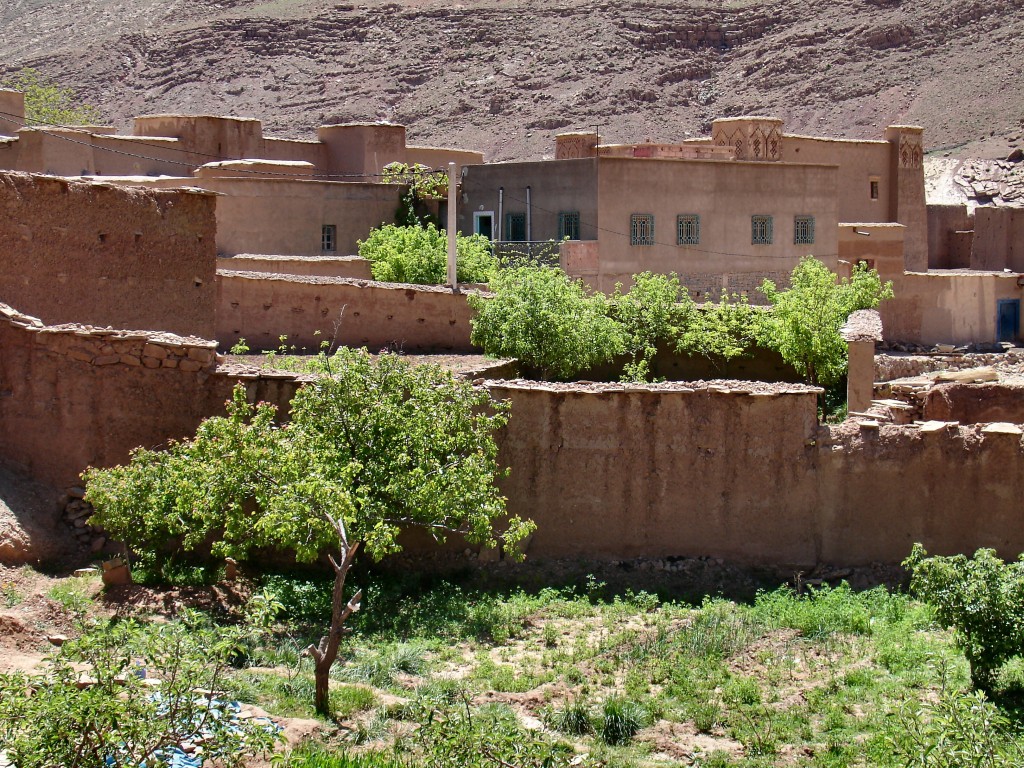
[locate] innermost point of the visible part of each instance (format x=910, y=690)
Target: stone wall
x=105, y=255
x=262, y=307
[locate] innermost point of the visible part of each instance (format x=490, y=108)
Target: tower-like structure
x=906, y=192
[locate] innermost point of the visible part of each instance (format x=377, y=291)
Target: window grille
x=874, y=189
x=803, y=229
x=688, y=229
x=569, y=225
x=515, y=227
x=761, y=230
x=329, y=238
x=641, y=229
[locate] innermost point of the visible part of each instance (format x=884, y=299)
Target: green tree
x=423, y=184
x=415, y=254
x=804, y=323
x=47, y=103
x=655, y=309
x=118, y=721
x=372, y=447
x=981, y=598
x=721, y=331
x=547, y=321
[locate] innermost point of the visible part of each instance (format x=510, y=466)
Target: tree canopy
x=805, y=319
x=418, y=254
x=371, y=448
x=48, y=103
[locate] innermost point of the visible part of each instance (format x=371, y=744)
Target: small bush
x=620, y=721
x=347, y=700
x=416, y=254
x=313, y=755
x=546, y=320
x=573, y=719
x=982, y=598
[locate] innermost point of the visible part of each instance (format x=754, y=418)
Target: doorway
x=1008, y=320
x=483, y=224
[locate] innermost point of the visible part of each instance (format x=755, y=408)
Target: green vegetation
x=982, y=599
x=372, y=447
x=557, y=329
x=418, y=254
x=547, y=321
x=805, y=319
x=424, y=185
x=47, y=103
x=108, y=717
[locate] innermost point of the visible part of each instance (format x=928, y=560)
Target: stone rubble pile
x=76, y=516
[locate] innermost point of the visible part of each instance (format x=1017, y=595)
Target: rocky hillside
x=505, y=75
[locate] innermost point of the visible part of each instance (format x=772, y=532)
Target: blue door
x=1009, y=319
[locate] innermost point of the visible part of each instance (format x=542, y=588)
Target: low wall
x=91, y=253
x=975, y=403
x=263, y=307
x=321, y=266
x=742, y=471
x=73, y=395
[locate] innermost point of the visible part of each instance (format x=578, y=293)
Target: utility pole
x=452, y=250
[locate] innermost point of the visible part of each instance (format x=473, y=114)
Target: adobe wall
x=859, y=162
x=73, y=395
x=321, y=266
x=880, y=245
x=742, y=471
x=206, y=138
x=356, y=313
x=946, y=307
x=105, y=255
x=71, y=152
x=439, y=157
x=998, y=238
x=725, y=196
x=975, y=403
x=285, y=217
x=944, y=221
x=556, y=186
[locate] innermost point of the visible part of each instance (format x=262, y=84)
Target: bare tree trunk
x=325, y=654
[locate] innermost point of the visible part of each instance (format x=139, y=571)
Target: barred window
x=874, y=189
x=569, y=225
x=515, y=227
x=803, y=229
x=688, y=229
x=329, y=238
x=641, y=229
x=761, y=230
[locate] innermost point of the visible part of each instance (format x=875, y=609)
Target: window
x=641, y=229
x=874, y=189
x=329, y=238
x=569, y=225
x=803, y=229
x=761, y=230
x=515, y=227
x=688, y=229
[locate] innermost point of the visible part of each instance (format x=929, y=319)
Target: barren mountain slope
x=505, y=75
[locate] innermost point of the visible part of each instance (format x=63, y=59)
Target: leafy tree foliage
x=416, y=254
x=424, y=184
x=547, y=321
x=981, y=598
x=721, y=332
x=118, y=721
x=372, y=447
x=47, y=103
x=805, y=319
x=655, y=308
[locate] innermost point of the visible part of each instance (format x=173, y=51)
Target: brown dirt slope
x=505, y=75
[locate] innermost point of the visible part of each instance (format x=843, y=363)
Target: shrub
x=721, y=331
x=982, y=598
x=573, y=719
x=653, y=310
x=117, y=721
x=620, y=720
x=416, y=254
x=547, y=321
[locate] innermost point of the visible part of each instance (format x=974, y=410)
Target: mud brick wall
x=75, y=252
